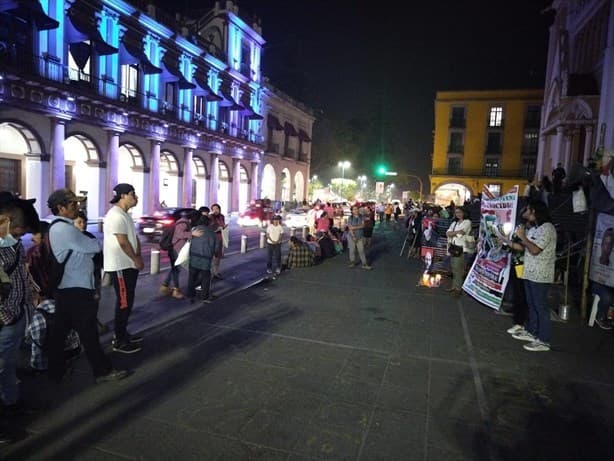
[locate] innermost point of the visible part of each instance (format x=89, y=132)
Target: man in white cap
x=122, y=259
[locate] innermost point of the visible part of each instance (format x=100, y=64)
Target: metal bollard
x=154, y=263
x=244, y=244
x=100, y=223
x=262, y=239
x=305, y=232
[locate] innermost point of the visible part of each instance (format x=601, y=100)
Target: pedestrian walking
x=218, y=222
x=355, y=239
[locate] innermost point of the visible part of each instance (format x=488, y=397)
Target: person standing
x=539, y=246
x=76, y=306
x=274, y=232
x=182, y=233
x=123, y=261
x=355, y=238
x=459, y=234
x=203, y=246
x=558, y=175
x=218, y=223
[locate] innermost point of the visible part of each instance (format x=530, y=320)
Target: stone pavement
x=332, y=363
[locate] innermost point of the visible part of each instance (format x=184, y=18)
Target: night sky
x=370, y=70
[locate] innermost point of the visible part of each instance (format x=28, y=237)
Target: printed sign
x=490, y=271
x=602, y=259
x=379, y=187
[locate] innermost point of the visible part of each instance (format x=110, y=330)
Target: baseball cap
x=121, y=189
x=63, y=197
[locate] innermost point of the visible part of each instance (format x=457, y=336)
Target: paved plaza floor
x=331, y=363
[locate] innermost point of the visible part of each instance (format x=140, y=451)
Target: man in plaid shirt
x=300, y=255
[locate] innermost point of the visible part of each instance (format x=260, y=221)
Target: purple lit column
x=112, y=164
x=58, y=165
x=558, y=149
x=154, y=177
x=588, y=144
x=236, y=185
x=255, y=191
x=213, y=182
x=188, y=167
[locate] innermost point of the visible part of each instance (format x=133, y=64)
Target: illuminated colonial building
x=96, y=92
x=578, y=105
x=483, y=138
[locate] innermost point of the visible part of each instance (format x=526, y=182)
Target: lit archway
x=82, y=171
x=269, y=178
x=20, y=152
x=223, y=187
x=131, y=168
x=455, y=192
x=285, y=185
x=169, y=179
x=299, y=187
x=243, y=188
x=199, y=182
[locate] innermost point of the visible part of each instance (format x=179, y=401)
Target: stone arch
x=169, y=179
x=131, y=169
x=458, y=191
x=269, y=181
x=578, y=109
x=82, y=167
x=299, y=186
x=243, y=187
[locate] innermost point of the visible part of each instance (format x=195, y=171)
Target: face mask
x=8, y=240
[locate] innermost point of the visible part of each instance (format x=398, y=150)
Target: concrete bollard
x=100, y=223
x=305, y=232
x=244, y=244
x=154, y=263
x=262, y=239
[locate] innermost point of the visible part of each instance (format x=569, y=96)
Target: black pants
x=200, y=277
x=520, y=310
x=76, y=308
x=124, y=283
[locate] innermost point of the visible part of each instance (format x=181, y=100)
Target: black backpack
x=166, y=240
x=55, y=268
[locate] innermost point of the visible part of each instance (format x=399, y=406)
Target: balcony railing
x=512, y=173
x=50, y=70
x=457, y=123
x=456, y=149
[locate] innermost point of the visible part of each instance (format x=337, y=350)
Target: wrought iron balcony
x=480, y=172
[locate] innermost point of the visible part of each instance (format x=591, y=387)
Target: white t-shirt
x=117, y=221
x=274, y=233
x=466, y=240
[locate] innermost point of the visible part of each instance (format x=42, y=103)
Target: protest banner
x=489, y=273
x=602, y=261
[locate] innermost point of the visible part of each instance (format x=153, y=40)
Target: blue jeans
x=539, y=312
x=174, y=271
x=10, y=340
x=606, y=299
x=273, y=253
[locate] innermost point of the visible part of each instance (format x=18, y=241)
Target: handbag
x=183, y=258
x=455, y=250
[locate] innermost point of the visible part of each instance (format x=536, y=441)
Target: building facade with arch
x=97, y=92
x=578, y=105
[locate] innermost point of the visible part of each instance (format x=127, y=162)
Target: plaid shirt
x=37, y=332
x=300, y=256
x=20, y=295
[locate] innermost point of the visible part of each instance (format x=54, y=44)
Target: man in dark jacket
x=202, y=250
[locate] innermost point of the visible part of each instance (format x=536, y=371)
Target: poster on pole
x=379, y=187
x=602, y=259
x=489, y=273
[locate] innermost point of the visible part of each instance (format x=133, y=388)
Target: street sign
x=379, y=187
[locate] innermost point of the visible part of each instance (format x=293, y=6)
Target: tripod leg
x=412, y=247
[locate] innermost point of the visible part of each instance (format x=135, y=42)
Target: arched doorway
x=285, y=185
x=455, y=192
x=169, y=180
x=299, y=187
x=223, y=187
x=269, y=178
x=199, y=182
x=131, y=168
x=243, y=188
x=20, y=152
x=82, y=171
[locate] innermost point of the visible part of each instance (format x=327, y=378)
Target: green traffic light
x=381, y=170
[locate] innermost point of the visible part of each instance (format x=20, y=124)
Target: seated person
x=606, y=299
x=314, y=246
x=299, y=255
x=327, y=247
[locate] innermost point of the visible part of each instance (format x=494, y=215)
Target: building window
x=529, y=142
x=491, y=167
x=532, y=117
x=79, y=62
x=199, y=107
x=170, y=94
x=457, y=119
x=130, y=80
x=456, y=145
x=494, y=189
x=495, y=120
x=493, y=142
x=529, y=166
x=454, y=165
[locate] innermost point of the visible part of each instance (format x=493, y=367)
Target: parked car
x=296, y=218
x=258, y=214
x=153, y=226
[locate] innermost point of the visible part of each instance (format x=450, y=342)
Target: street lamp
x=343, y=165
x=363, y=182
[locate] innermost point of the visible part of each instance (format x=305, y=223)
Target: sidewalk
x=332, y=363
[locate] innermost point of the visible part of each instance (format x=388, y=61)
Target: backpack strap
x=49, y=239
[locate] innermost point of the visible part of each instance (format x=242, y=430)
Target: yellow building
x=484, y=138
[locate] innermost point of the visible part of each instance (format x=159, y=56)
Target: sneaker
x=113, y=375
x=132, y=339
x=515, y=329
x=352, y=264
x=165, y=290
x=366, y=267
x=177, y=294
x=277, y=272
x=126, y=348
x=524, y=335
x=537, y=346
x=603, y=324
x=269, y=271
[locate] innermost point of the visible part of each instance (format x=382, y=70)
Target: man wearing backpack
x=75, y=303
x=122, y=259
x=172, y=242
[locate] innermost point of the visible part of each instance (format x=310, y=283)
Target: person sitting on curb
x=299, y=255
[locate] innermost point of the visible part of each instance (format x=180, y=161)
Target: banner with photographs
x=490, y=270
x=602, y=260
x=433, y=243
